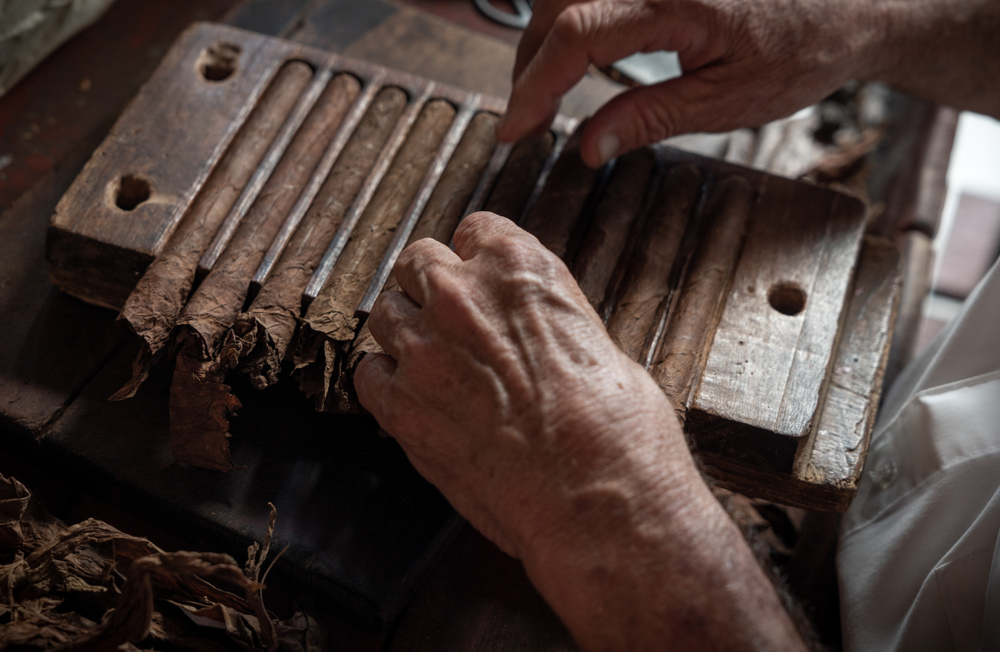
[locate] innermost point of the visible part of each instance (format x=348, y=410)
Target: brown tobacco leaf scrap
x=200, y=404
x=136, y=595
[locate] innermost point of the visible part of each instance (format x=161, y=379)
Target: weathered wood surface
x=364, y=528
x=691, y=325
x=646, y=285
x=103, y=235
x=614, y=216
x=828, y=462
x=772, y=350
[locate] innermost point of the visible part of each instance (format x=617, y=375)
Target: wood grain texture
x=98, y=249
x=267, y=328
x=554, y=219
x=828, y=463
x=645, y=287
x=773, y=345
x=691, y=324
x=517, y=179
x=835, y=450
x=614, y=216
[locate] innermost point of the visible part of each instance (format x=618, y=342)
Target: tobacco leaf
x=41, y=591
x=13, y=502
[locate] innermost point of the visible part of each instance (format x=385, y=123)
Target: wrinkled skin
x=505, y=382
x=500, y=382
x=506, y=392
x=747, y=62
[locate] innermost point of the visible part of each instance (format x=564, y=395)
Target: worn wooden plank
x=828, y=464
x=773, y=346
x=646, y=285
x=614, y=216
x=692, y=322
x=133, y=201
x=364, y=528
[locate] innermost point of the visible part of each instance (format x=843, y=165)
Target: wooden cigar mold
x=274, y=186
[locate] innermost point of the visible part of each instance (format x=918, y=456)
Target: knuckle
x=573, y=24
x=655, y=120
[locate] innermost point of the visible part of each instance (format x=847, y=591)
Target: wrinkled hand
x=506, y=392
x=745, y=63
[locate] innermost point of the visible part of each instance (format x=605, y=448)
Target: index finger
x=599, y=32
x=543, y=14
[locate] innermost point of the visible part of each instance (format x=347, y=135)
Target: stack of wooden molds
x=249, y=205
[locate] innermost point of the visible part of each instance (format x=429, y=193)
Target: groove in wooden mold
x=257, y=182
x=645, y=287
x=688, y=335
x=399, y=134
x=262, y=335
x=153, y=306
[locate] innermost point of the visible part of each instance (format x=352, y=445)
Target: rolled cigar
x=330, y=321
x=263, y=333
x=151, y=310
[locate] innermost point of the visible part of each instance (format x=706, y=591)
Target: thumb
x=649, y=114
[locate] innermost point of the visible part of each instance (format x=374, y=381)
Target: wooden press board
x=756, y=301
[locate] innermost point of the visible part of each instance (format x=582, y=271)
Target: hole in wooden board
x=131, y=192
x=218, y=61
x=787, y=298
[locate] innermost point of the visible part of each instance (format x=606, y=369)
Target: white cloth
x=919, y=556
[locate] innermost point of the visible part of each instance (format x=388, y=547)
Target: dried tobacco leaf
x=13, y=502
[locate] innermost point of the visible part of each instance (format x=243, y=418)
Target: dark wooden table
x=56, y=351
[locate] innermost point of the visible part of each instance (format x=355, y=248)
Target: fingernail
x=607, y=146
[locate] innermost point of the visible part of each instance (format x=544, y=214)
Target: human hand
x=505, y=391
x=745, y=63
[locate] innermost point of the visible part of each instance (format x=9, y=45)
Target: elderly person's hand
x=506, y=392
x=747, y=62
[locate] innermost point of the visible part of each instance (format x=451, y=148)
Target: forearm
x=645, y=558
x=947, y=51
